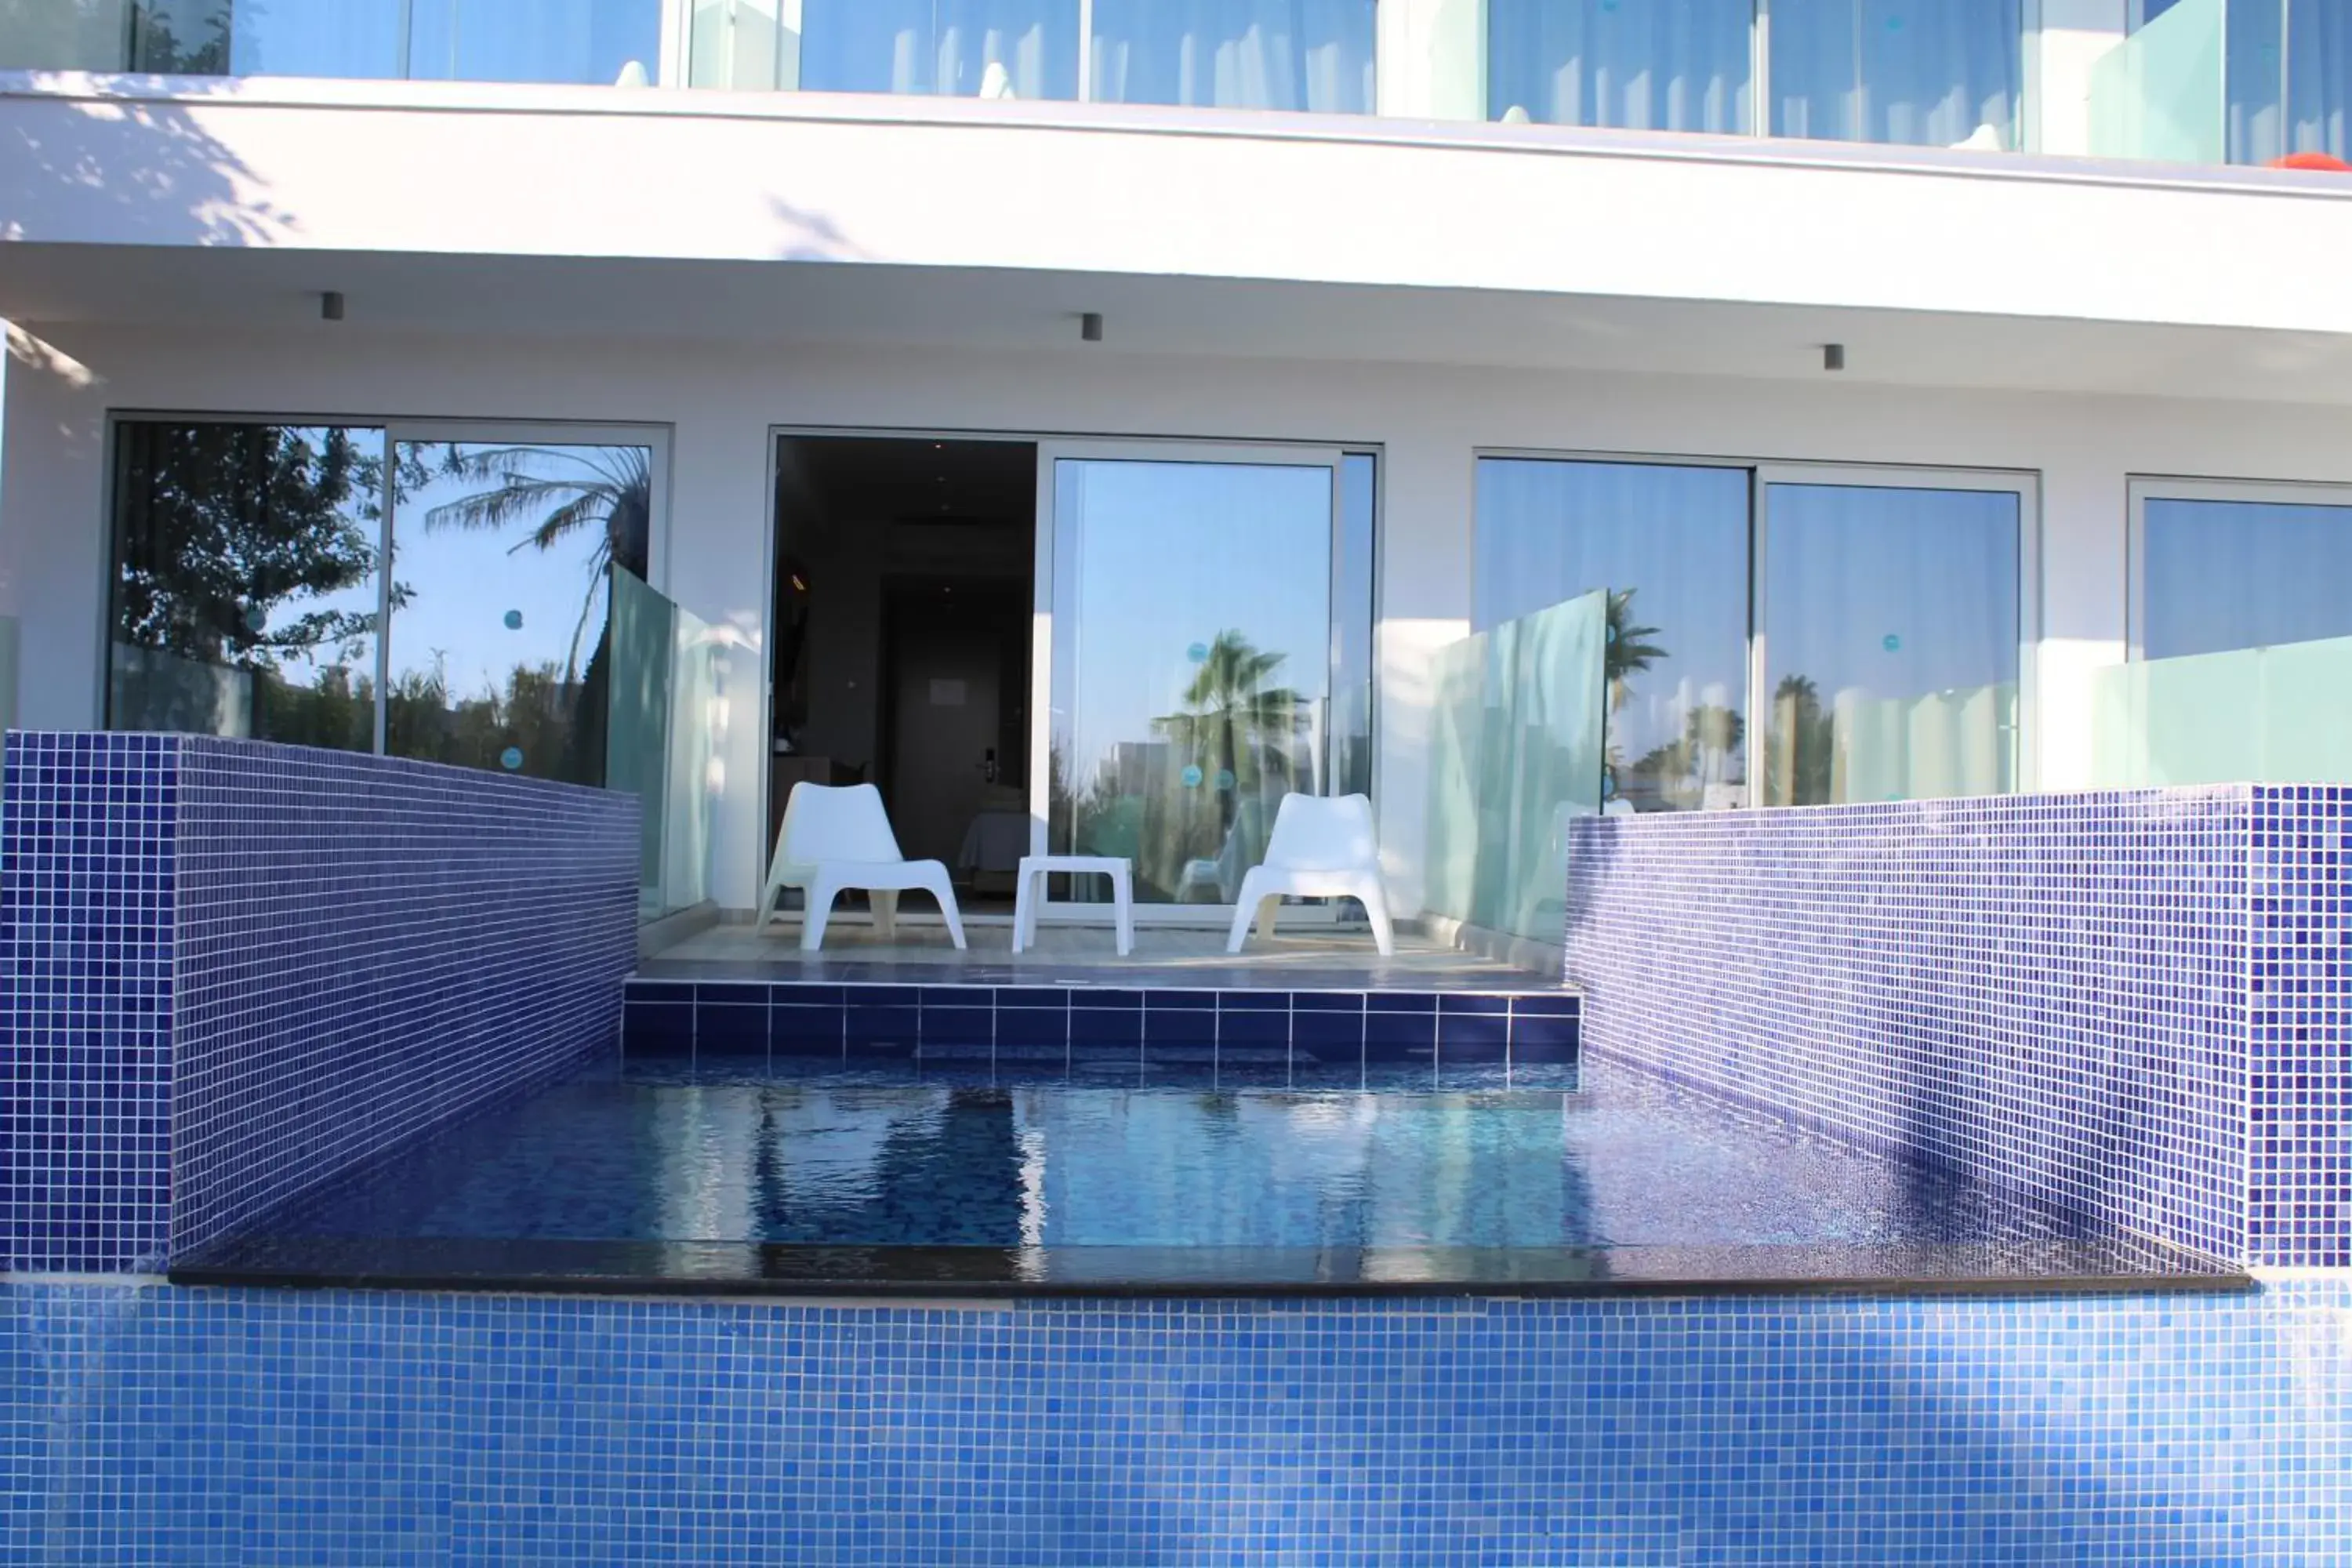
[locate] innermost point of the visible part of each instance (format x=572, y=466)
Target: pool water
x=839, y=1181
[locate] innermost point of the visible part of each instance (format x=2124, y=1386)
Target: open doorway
x=905, y=583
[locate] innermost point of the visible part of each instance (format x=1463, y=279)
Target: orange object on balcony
x=2326, y=160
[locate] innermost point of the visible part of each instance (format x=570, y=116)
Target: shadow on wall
x=134, y=171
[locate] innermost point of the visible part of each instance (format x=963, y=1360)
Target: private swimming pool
x=722, y=1178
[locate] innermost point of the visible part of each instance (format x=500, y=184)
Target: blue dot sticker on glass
x=1224, y=778
x=511, y=759
x=1891, y=643
x=256, y=618
x=1608, y=786
x=1192, y=778
x=514, y=619
x=1197, y=653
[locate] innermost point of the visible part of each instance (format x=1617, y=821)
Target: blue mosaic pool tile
x=236, y=968
x=2128, y=1004
x=88, y=882
x=253, y=1428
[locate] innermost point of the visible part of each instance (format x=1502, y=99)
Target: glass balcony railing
x=1516, y=754
x=2237, y=81
x=2261, y=715
x=606, y=41
x=662, y=740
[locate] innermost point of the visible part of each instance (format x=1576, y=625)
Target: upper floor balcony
x=2008, y=75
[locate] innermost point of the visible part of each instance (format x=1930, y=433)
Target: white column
x=1423, y=603
x=2075, y=35
x=2084, y=592
x=53, y=533
x=1433, y=59
x=718, y=568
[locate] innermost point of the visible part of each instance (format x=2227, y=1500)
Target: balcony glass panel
x=958, y=49
x=63, y=35
x=586, y=41
x=1646, y=65
x=1313, y=55
x=1936, y=73
x=2159, y=95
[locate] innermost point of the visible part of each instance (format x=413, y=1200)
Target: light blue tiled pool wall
x=2128, y=1002
x=320, y=957
x=255, y=1427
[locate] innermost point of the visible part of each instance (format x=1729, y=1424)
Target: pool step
x=1304, y=1038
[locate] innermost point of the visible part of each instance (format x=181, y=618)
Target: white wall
x=719, y=403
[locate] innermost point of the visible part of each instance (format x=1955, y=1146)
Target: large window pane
x=1924, y=72
x=2219, y=575
x=587, y=41
x=1671, y=546
x=943, y=47
x=499, y=656
x=1236, y=54
x=1891, y=631
x=245, y=582
x=1649, y=65
x=1191, y=630
x=532, y=40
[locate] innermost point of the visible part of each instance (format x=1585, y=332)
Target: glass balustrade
x=661, y=739
x=2280, y=714
x=1515, y=756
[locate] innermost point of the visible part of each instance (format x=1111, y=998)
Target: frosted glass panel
x=2159, y=93
x=1515, y=756
x=660, y=739
x=2266, y=715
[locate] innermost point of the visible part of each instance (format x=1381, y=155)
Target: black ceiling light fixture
x=1090, y=327
x=330, y=306
x=1832, y=356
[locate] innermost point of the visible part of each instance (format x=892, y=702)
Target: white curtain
x=1646, y=65
x=1923, y=72
x=939, y=46
x=1314, y=55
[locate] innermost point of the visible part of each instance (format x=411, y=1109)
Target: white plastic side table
x=1031, y=894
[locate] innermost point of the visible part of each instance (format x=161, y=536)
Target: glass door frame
x=2026, y=487
x=1164, y=450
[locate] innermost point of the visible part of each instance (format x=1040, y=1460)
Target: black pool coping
x=2084, y=1267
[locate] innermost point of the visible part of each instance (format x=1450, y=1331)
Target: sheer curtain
x=1647, y=65
x=1313, y=55
x=939, y=46
x=1924, y=72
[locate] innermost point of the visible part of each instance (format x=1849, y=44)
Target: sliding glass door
x=1189, y=607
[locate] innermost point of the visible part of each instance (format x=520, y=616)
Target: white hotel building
x=1007, y=380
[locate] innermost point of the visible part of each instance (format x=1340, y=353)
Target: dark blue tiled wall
x=1306, y=1040
x=258, y=1428
x=236, y=968
x=87, y=880
x=2121, y=1002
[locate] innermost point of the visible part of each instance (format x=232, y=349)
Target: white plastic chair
x=836, y=838
x=1320, y=849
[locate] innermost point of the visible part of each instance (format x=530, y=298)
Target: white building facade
x=1892, y=404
